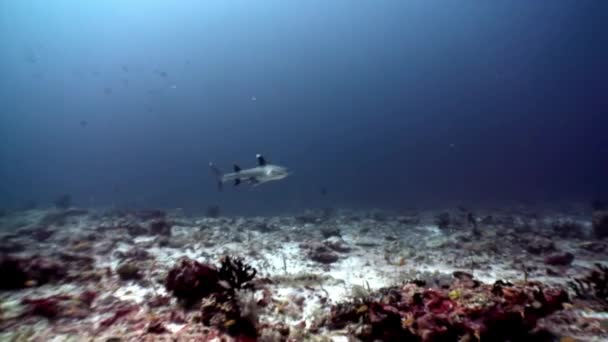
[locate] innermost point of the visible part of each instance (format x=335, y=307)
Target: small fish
x=30, y=283
x=83, y=123
x=323, y=191
x=260, y=174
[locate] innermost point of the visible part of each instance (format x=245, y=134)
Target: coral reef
x=592, y=286
x=224, y=312
x=191, y=281
x=466, y=311
x=235, y=275
x=389, y=275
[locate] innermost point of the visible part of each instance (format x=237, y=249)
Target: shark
x=260, y=174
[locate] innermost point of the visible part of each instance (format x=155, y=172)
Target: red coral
x=506, y=313
x=49, y=307
x=190, y=280
x=121, y=312
x=87, y=297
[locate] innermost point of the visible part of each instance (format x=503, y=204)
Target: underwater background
x=389, y=104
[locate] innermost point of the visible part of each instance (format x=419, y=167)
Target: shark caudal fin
x=218, y=175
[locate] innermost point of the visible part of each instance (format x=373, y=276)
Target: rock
x=156, y=326
x=128, y=271
x=559, y=259
x=39, y=234
x=540, y=246
x=337, y=244
x=145, y=215
x=600, y=223
x=11, y=247
x=594, y=246
x=443, y=220
x=19, y=273
x=160, y=227
x=323, y=256
x=134, y=253
x=391, y=238
x=568, y=229
x=328, y=232
x=263, y=227
x=135, y=230
x=163, y=241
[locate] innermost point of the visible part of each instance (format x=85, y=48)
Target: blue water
x=384, y=103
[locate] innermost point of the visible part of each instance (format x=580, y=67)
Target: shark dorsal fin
x=237, y=168
x=261, y=160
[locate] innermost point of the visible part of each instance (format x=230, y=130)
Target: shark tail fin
x=218, y=175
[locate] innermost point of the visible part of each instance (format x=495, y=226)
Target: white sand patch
x=132, y=292
x=174, y=328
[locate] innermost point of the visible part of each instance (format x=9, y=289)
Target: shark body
x=255, y=176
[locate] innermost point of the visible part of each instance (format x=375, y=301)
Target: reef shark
x=255, y=176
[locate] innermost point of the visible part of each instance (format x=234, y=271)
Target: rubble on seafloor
x=511, y=274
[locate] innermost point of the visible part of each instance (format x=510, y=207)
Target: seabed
x=101, y=275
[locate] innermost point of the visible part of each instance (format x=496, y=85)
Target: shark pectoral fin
x=237, y=181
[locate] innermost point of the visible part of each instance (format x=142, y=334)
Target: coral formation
x=592, y=286
x=128, y=271
x=236, y=274
x=559, y=259
x=101, y=273
x=463, y=312
x=191, y=281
